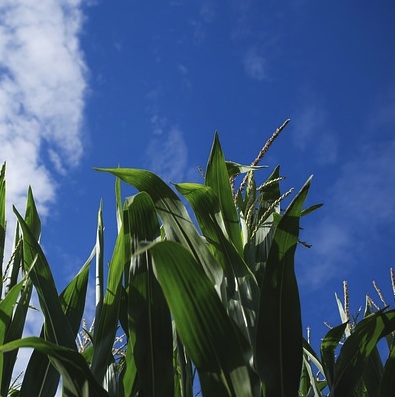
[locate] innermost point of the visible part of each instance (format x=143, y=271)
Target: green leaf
x=14, y=332
x=107, y=323
x=210, y=337
x=217, y=178
x=241, y=284
x=357, y=349
x=279, y=323
x=2, y=222
x=387, y=385
x=236, y=168
x=150, y=329
x=77, y=378
x=56, y=325
x=176, y=221
x=328, y=346
x=311, y=209
x=40, y=376
x=99, y=248
x=7, y=306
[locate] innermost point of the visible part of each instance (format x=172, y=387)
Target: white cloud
x=367, y=184
x=358, y=207
x=42, y=87
x=168, y=155
x=312, y=133
x=255, y=64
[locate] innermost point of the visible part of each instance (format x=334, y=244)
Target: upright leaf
x=7, y=306
x=2, y=223
x=41, y=378
x=150, y=327
x=211, y=339
x=328, y=346
x=176, y=221
x=279, y=324
x=357, y=349
x=217, y=178
x=242, y=287
x=106, y=325
x=56, y=324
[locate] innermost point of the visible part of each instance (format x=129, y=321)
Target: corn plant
x=351, y=363
x=213, y=302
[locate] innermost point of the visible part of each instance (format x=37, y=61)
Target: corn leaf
x=14, y=332
x=41, y=378
x=150, y=327
x=57, y=326
x=279, y=323
x=176, y=222
x=210, y=337
x=242, y=288
x=236, y=168
x=217, y=178
x=77, y=378
x=357, y=349
x=7, y=306
x=387, y=385
x=106, y=325
x=2, y=222
x=328, y=346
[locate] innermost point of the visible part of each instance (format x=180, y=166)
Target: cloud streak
x=358, y=206
x=168, y=155
x=255, y=65
x=313, y=134
x=42, y=93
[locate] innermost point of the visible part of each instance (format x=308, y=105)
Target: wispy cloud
x=358, y=207
x=167, y=155
x=42, y=88
x=255, y=64
x=206, y=16
x=314, y=134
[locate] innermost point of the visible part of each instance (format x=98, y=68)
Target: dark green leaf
x=149, y=328
x=176, y=221
x=279, y=323
x=77, y=378
x=217, y=178
x=210, y=337
x=357, y=349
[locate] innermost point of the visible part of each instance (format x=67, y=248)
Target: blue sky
x=88, y=84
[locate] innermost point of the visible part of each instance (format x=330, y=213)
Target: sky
x=93, y=83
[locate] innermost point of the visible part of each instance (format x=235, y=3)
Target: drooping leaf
x=176, y=222
x=236, y=168
x=77, y=378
